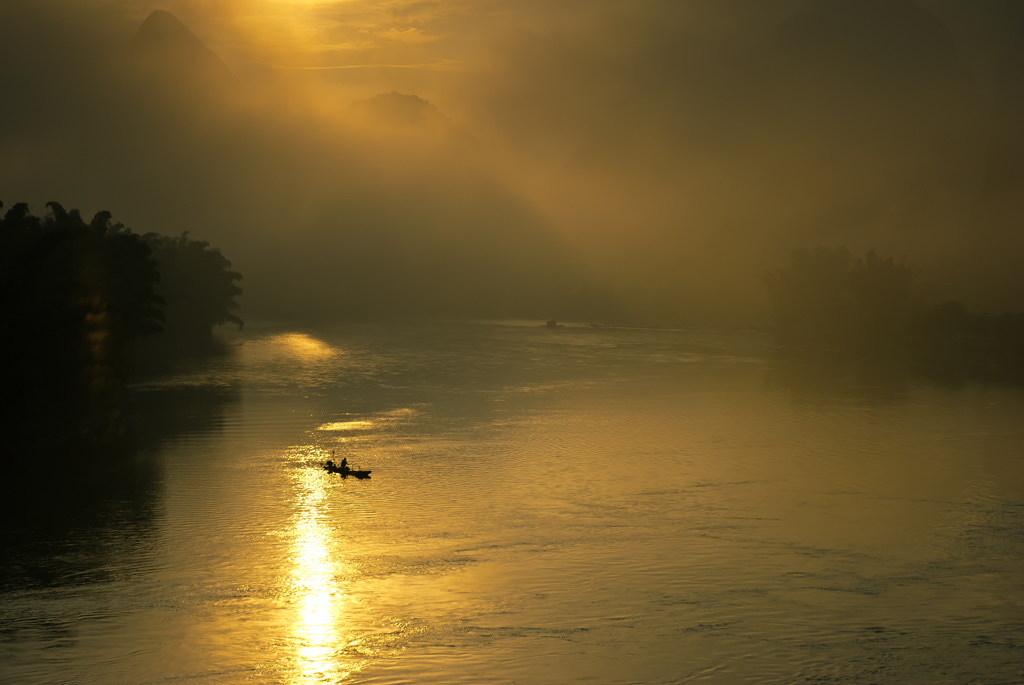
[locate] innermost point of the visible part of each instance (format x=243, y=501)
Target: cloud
x=407, y=35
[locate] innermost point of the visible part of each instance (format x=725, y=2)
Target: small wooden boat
x=331, y=467
x=354, y=473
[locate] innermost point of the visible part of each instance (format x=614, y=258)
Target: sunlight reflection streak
x=319, y=602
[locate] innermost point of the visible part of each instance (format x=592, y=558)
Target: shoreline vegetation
x=89, y=304
x=827, y=301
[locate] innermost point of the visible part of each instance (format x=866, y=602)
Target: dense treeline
x=198, y=289
x=80, y=297
x=828, y=290
x=870, y=300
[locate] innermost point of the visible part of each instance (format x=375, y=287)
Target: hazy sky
x=641, y=160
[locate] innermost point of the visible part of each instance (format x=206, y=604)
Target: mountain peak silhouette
x=166, y=48
x=163, y=29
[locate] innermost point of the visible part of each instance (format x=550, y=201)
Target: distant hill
x=396, y=113
x=398, y=109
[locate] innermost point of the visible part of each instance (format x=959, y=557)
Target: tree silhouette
x=199, y=288
x=879, y=289
x=71, y=280
x=810, y=293
x=76, y=295
x=827, y=290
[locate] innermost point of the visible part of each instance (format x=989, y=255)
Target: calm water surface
x=547, y=506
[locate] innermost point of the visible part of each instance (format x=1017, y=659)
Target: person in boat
x=344, y=464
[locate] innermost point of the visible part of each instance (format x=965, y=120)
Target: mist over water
x=546, y=505
x=621, y=162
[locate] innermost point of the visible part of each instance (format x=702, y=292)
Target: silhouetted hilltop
x=165, y=48
x=397, y=113
x=398, y=109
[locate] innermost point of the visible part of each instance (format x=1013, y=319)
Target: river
x=570, y=505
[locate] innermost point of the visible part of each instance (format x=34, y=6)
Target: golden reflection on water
x=345, y=426
x=306, y=347
x=318, y=625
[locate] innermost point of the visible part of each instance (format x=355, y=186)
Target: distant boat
x=553, y=324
